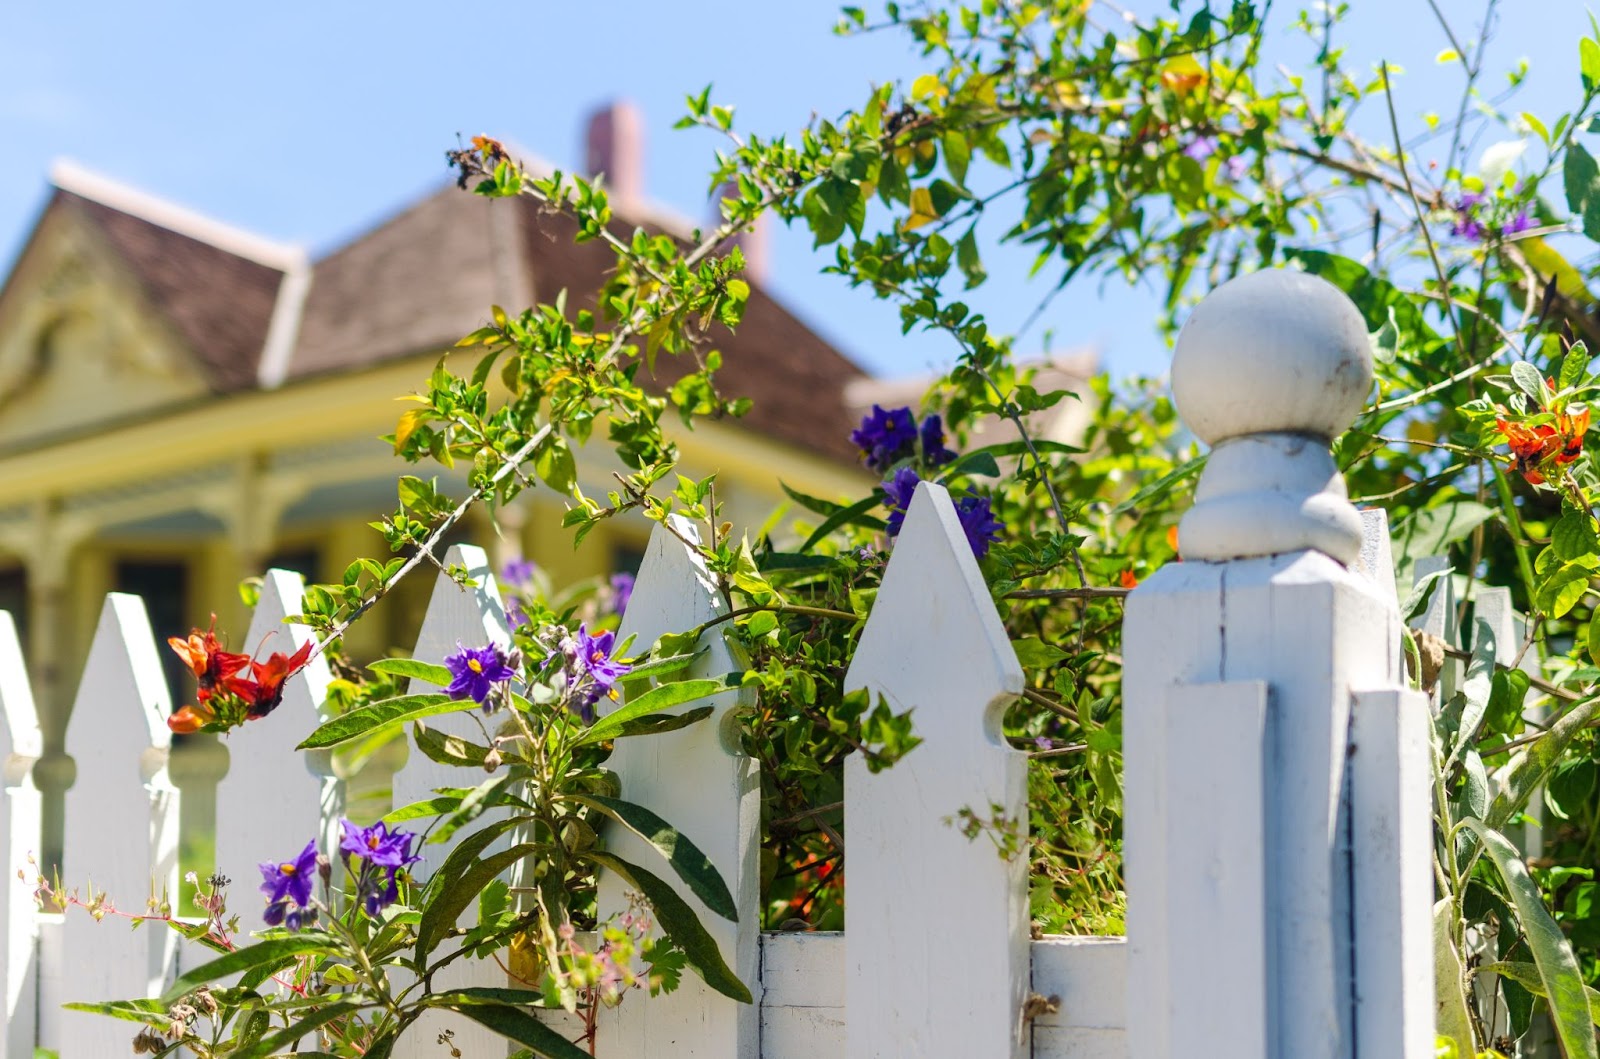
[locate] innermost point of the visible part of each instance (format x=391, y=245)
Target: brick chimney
x=614, y=145
x=754, y=242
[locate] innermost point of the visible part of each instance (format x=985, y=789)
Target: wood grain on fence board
x=20, y=746
x=944, y=654
x=121, y=826
x=700, y=782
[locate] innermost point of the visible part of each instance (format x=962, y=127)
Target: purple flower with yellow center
x=933, y=450
x=978, y=522
x=384, y=854
x=289, y=882
x=475, y=671
x=885, y=436
x=899, y=489
x=519, y=572
x=621, y=591
x=378, y=845
x=591, y=666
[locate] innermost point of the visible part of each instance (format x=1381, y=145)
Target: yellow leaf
x=921, y=210
x=1183, y=75
x=1068, y=96
x=1449, y=55
x=409, y=422
x=1548, y=262
x=928, y=86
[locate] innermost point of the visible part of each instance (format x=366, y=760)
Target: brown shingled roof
x=219, y=303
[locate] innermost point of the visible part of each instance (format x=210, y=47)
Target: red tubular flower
x=1570, y=429
x=190, y=719
x=262, y=691
x=205, y=657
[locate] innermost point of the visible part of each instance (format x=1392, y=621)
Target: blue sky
x=312, y=121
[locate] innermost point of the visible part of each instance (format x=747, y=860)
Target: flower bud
x=491, y=761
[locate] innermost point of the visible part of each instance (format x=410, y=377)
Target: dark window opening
x=307, y=562
x=164, y=587
x=14, y=599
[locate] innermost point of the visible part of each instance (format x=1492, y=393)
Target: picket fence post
x=457, y=616
x=121, y=827
x=936, y=937
x=273, y=797
x=700, y=782
x=1298, y=925
x=20, y=746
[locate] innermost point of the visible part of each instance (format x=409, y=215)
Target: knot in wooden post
x=1269, y=368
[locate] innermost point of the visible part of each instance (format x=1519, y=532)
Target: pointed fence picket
x=122, y=823
x=949, y=660
x=20, y=746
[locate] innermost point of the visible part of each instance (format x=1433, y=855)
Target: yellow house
x=183, y=404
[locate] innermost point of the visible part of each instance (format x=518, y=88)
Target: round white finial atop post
x=1269, y=368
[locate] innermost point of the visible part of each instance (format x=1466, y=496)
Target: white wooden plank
x=1438, y=618
x=457, y=616
x=802, y=969
x=1391, y=855
x=265, y=769
x=121, y=825
x=1172, y=634
x=1314, y=631
x=1055, y=1042
x=699, y=782
x=1089, y=975
x=55, y=989
x=1376, y=562
x=20, y=746
x=935, y=644
x=1216, y=889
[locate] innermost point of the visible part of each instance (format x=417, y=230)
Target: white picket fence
x=1279, y=883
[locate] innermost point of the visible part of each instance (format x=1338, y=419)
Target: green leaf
x=1418, y=596
x=980, y=463
x=1430, y=531
x=854, y=515
x=1563, y=589
x=1574, y=366
x=1589, y=64
x=680, y=924
x=1531, y=765
x=286, y=1038
x=1529, y=381
x=1452, y=1017
x=1034, y=653
x=448, y=749
x=150, y=1012
x=441, y=913
x=653, y=701
x=270, y=954
x=1573, y=536
x=556, y=466
x=1475, y=690
x=513, y=1023
x=381, y=715
x=438, y=676
x=692, y=866
x=1552, y=953
x=659, y=723
x=666, y=665
x=1580, y=176
x=1527, y=976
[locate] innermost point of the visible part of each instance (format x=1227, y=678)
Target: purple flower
x=1520, y=223
x=1467, y=225
x=475, y=671
x=978, y=521
x=899, y=490
x=519, y=571
x=594, y=671
x=1237, y=166
x=621, y=591
x=1200, y=148
x=933, y=450
x=378, y=845
x=516, y=616
x=885, y=437
x=384, y=854
x=286, y=882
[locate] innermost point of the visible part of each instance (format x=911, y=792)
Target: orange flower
x=1127, y=579
x=1183, y=75
x=262, y=691
x=190, y=719
x=205, y=658
x=1571, y=429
